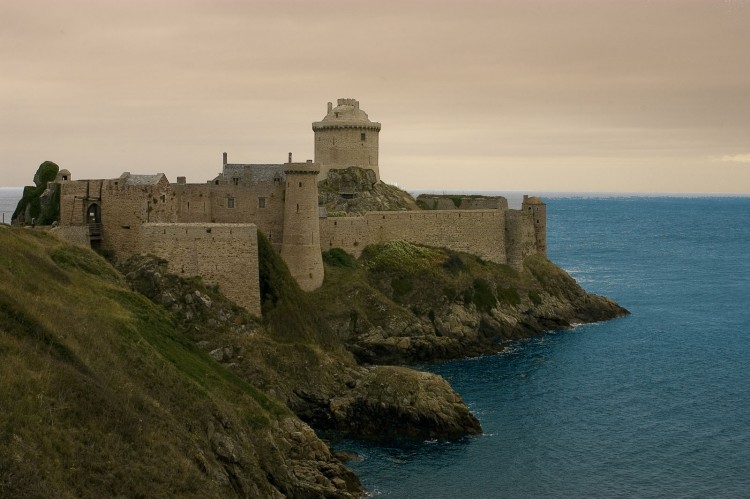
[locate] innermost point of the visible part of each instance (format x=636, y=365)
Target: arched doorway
x=94, y=214
x=94, y=221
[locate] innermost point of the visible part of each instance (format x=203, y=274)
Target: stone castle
x=210, y=229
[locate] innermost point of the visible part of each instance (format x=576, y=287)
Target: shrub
x=401, y=286
x=509, y=296
x=336, y=257
x=454, y=264
x=484, y=298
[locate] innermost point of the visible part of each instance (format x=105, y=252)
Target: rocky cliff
x=294, y=356
x=354, y=191
x=406, y=303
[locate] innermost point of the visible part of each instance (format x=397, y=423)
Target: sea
x=9, y=197
x=655, y=404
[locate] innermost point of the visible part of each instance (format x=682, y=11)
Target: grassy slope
x=100, y=396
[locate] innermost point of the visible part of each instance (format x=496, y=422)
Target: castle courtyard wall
x=464, y=202
x=481, y=232
x=263, y=204
x=225, y=255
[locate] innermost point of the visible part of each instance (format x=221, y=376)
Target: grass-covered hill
x=103, y=397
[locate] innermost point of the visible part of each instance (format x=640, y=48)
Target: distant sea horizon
x=9, y=196
x=516, y=197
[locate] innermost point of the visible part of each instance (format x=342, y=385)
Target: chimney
x=330, y=107
x=225, y=159
x=290, y=158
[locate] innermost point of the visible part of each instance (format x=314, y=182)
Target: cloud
x=736, y=158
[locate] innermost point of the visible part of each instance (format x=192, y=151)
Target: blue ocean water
x=9, y=197
x=656, y=404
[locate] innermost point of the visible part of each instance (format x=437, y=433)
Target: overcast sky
x=533, y=95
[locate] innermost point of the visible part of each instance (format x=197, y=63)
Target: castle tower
x=538, y=210
x=300, y=247
x=346, y=137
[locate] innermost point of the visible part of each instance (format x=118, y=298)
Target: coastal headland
x=200, y=339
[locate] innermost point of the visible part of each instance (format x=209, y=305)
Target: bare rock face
x=399, y=403
x=354, y=191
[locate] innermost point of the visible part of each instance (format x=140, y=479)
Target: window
x=236, y=181
x=230, y=202
x=300, y=184
x=362, y=136
x=261, y=202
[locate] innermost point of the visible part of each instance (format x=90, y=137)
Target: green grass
x=105, y=397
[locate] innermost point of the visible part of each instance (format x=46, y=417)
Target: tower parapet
x=346, y=137
x=300, y=246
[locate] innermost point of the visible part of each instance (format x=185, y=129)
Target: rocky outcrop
x=405, y=306
x=357, y=191
x=40, y=203
x=398, y=403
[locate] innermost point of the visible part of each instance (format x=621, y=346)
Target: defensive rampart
x=222, y=254
x=481, y=232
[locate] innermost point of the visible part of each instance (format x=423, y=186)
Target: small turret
x=300, y=246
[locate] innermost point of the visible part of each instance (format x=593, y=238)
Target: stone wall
x=520, y=237
x=126, y=207
x=481, y=232
x=458, y=202
x=261, y=204
x=344, y=147
x=122, y=207
x=221, y=254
